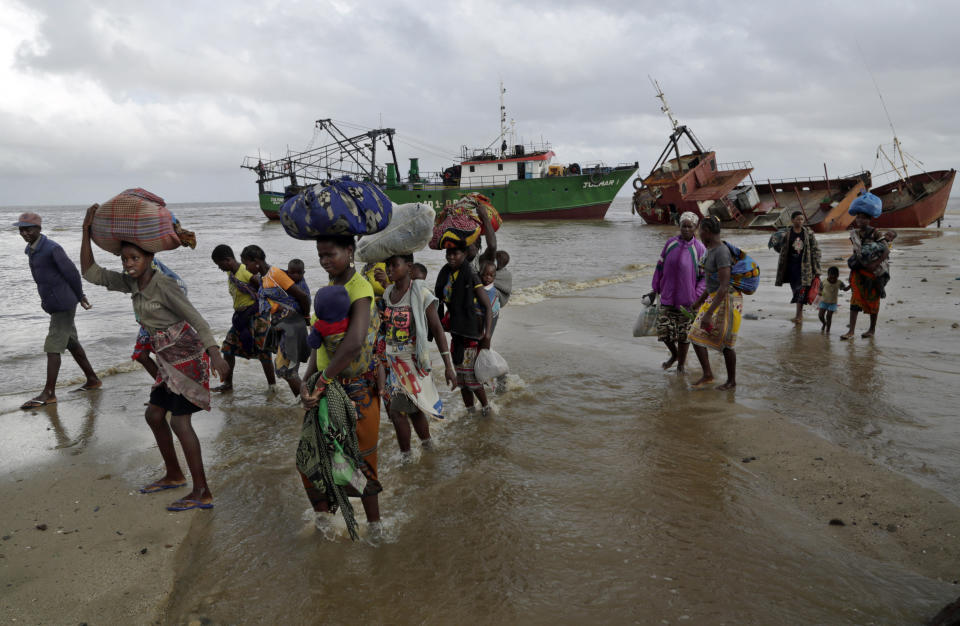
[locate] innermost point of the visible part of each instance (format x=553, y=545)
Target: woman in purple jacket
x=679, y=280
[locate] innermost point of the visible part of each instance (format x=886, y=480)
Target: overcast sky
x=170, y=96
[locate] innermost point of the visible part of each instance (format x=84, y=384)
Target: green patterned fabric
x=328, y=454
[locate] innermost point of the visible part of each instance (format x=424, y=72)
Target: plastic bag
x=489, y=365
x=646, y=324
x=868, y=204
x=813, y=291
x=137, y=216
x=410, y=229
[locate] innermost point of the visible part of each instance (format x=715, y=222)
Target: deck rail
x=734, y=165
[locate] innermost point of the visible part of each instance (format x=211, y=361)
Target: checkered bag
x=136, y=216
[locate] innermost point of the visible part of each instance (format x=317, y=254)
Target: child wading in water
x=408, y=310
x=185, y=349
x=829, y=293
x=248, y=329
x=460, y=291
x=287, y=307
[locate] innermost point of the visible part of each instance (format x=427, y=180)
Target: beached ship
x=522, y=181
x=694, y=181
x=911, y=201
x=691, y=179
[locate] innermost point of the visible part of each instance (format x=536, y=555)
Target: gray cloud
x=108, y=95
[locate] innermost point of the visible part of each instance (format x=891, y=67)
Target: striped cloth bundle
x=136, y=216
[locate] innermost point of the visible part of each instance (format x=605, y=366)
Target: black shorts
x=173, y=402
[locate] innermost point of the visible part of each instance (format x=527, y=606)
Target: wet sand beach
x=605, y=490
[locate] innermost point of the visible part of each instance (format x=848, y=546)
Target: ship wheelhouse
x=481, y=171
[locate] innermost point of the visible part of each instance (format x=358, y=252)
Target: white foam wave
x=553, y=288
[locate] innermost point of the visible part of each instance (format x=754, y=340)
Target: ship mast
x=663, y=107
x=503, y=122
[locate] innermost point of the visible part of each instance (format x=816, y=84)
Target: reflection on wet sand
x=86, y=430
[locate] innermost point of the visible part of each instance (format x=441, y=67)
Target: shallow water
x=596, y=494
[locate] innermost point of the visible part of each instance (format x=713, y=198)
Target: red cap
x=27, y=219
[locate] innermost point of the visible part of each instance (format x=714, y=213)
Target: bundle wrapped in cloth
x=336, y=207
x=460, y=225
x=139, y=217
x=409, y=230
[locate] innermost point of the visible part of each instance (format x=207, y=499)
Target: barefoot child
x=408, y=310
x=829, y=294
x=460, y=292
x=248, y=329
x=185, y=349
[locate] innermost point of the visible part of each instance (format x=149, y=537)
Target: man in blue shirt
x=58, y=283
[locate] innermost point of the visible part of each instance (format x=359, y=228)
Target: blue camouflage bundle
x=745, y=273
x=336, y=207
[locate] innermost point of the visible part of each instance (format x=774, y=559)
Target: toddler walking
x=829, y=292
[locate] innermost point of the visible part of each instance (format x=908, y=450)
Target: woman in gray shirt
x=185, y=350
x=719, y=308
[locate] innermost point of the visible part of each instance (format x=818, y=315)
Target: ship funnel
x=391, y=175
x=414, y=174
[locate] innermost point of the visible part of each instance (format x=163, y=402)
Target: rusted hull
x=900, y=212
x=586, y=212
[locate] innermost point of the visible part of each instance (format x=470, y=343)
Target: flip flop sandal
x=36, y=404
x=187, y=504
x=157, y=487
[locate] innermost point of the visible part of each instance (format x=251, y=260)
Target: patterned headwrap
x=689, y=216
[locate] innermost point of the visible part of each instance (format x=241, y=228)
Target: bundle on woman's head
x=689, y=216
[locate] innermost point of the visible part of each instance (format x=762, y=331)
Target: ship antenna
x=663, y=107
x=503, y=121
x=883, y=103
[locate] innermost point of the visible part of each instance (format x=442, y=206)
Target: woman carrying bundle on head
x=346, y=355
x=185, y=350
x=461, y=292
x=869, y=267
x=719, y=308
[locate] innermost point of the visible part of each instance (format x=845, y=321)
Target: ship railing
x=785, y=181
x=734, y=165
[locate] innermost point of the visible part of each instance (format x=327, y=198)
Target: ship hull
x=901, y=210
x=549, y=198
x=270, y=203
x=580, y=197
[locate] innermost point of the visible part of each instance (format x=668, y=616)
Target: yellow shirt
x=240, y=299
x=357, y=287
x=377, y=287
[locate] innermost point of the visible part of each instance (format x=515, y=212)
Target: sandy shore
x=80, y=545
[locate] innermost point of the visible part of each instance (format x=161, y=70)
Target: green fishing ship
x=522, y=181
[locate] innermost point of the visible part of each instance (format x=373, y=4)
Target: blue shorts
x=828, y=306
